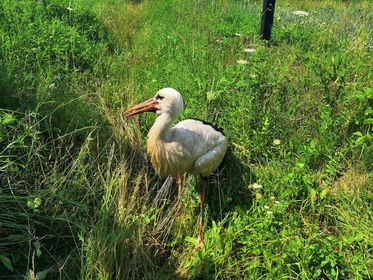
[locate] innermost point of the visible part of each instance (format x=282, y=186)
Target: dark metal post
x=267, y=18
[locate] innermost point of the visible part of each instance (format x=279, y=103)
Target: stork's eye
x=159, y=97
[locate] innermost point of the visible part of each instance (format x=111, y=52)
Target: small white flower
x=269, y=212
x=256, y=186
x=241, y=61
x=301, y=13
x=249, y=50
x=237, y=34
x=266, y=207
x=277, y=202
x=219, y=41
x=273, y=198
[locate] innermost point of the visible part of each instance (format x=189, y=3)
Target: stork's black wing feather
x=217, y=128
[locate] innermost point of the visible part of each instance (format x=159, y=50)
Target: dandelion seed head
x=249, y=50
x=241, y=61
x=256, y=186
x=301, y=13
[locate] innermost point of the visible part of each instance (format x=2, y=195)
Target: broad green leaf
x=30, y=204
x=368, y=92
x=191, y=240
x=37, y=202
x=324, y=193
x=313, y=196
x=300, y=165
x=6, y=262
x=211, y=96
x=7, y=119
x=41, y=275
x=37, y=246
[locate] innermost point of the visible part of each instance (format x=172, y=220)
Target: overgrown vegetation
x=78, y=196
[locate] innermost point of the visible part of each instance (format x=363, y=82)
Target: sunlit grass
x=79, y=198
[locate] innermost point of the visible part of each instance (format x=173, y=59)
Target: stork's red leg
x=180, y=178
x=180, y=185
x=202, y=193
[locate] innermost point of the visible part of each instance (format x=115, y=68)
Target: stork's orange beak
x=146, y=106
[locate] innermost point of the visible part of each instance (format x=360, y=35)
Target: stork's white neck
x=157, y=138
x=160, y=127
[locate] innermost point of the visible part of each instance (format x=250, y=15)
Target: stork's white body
x=190, y=147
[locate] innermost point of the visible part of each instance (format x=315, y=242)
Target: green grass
x=78, y=196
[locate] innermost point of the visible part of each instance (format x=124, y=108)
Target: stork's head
x=166, y=101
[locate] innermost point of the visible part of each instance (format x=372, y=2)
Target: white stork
x=192, y=146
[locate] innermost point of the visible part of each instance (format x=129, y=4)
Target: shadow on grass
x=7, y=98
x=88, y=24
x=228, y=190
